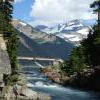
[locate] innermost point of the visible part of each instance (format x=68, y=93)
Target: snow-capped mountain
x=40, y=44
x=72, y=31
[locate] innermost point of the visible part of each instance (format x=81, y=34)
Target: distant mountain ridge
x=37, y=41
x=40, y=44
x=72, y=25
x=73, y=31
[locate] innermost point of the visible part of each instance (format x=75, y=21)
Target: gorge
x=37, y=81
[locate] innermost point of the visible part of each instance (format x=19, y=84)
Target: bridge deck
x=39, y=59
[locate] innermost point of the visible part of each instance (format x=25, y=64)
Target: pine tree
x=8, y=31
x=88, y=53
x=96, y=6
x=1, y=17
x=93, y=40
x=7, y=11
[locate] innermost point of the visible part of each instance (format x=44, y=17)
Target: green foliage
x=76, y=61
x=13, y=78
x=96, y=8
x=92, y=45
x=88, y=52
x=96, y=5
x=8, y=31
x=12, y=50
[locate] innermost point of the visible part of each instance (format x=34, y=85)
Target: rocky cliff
x=5, y=67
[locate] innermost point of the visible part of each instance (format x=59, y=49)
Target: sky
x=52, y=12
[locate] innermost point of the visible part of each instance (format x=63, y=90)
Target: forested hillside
x=84, y=60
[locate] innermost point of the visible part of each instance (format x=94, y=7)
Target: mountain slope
x=73, y=31
x=40, y=44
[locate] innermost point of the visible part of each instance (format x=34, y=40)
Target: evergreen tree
x=1, y=17
x=96, y=6
x=76, y=61
x=7, y=11
x=8, y=31
x=88, y=52
x=92, y=43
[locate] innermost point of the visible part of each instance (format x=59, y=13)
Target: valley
x=43, y=45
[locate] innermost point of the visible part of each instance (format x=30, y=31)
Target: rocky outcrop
x=56, y=76
x=5, y=67
x=88, y=78
x=25, y=93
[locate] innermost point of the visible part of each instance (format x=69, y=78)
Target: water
x=40, y=83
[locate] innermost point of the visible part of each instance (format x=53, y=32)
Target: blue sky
x=22, y=10
x=51, y=12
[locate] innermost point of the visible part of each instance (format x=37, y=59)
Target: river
x=38, y=82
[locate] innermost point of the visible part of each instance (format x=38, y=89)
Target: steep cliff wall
x=5, y=67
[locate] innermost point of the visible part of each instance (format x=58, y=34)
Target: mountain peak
x=73, y=31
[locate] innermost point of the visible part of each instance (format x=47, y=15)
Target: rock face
x=56, y=76
x=22, y=27
x=5, y=67
x=25, y=94
x=29, y=93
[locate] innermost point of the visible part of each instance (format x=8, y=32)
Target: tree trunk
x=99, y=19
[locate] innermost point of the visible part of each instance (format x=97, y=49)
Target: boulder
x=29, y=93
x=25, y=94
x=22, y=79
x=42, y=96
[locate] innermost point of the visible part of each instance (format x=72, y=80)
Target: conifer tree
x=96, y=8
x=1, y=17
x=88, y=52
x=8, y=31
x=93, y=40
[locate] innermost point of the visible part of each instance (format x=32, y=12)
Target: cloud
x=57, y=11
x=16, y=1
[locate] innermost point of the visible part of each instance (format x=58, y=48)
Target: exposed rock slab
x=25, y=94
x=5, y=67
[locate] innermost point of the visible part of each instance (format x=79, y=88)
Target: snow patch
x=22, y=23
x=67, y=35
x=84, y=31
x=70, y=37
x=75, y=39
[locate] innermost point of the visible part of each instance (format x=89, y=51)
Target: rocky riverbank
x=24, y=93
x=85, y=79
x=56, y=76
